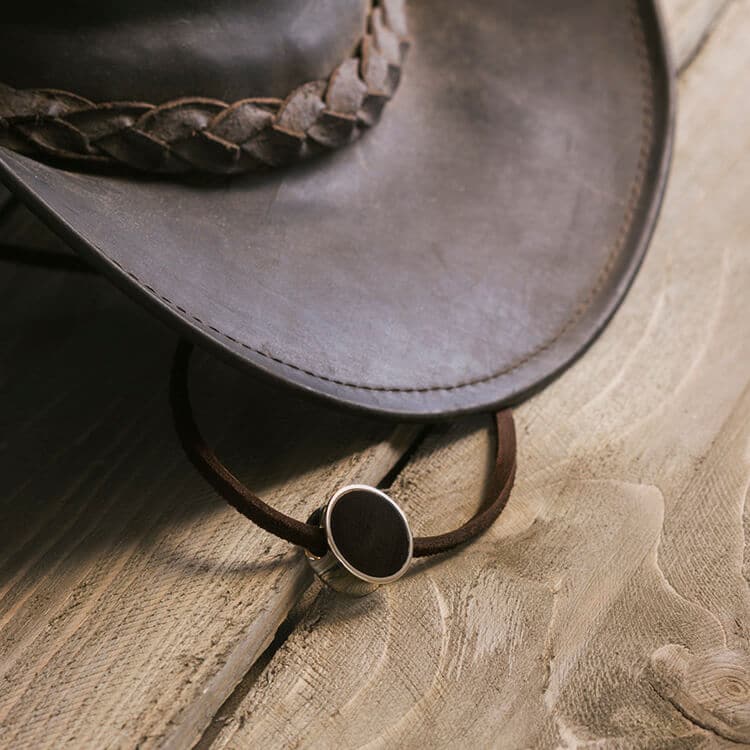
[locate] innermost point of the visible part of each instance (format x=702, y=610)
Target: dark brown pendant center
x=368, y=533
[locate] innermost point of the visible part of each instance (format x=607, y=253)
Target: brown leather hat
x=451, y=251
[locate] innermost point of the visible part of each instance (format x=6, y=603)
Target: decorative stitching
x=580, y=309
x=197, y=134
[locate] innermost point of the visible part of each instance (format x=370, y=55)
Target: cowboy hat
x=419, y=235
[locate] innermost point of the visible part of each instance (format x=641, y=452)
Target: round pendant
x=369, y=541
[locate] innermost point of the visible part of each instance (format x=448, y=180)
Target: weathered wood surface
x=132, y=600
x=690, y=23
x=608, y=606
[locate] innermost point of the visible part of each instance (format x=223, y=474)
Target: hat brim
x=456, y=258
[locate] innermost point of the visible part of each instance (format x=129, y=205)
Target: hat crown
x=156, y=50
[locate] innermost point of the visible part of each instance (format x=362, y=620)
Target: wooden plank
x=132, y=600
x=609, y=606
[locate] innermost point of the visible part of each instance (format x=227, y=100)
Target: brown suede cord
x=39, y=258
x=307, y=535
x=505, y=475
x=219, y=477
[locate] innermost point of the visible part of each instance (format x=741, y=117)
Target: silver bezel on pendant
x=336, y=569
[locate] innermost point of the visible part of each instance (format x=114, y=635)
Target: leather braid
x=197, y=134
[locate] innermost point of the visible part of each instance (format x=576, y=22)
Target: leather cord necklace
x=361, y=538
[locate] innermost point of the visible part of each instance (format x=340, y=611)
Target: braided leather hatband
x=196, y=134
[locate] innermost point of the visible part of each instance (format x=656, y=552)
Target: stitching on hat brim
x=578, y=312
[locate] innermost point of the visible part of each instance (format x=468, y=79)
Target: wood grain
x=132, y=600
x=610, y=605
